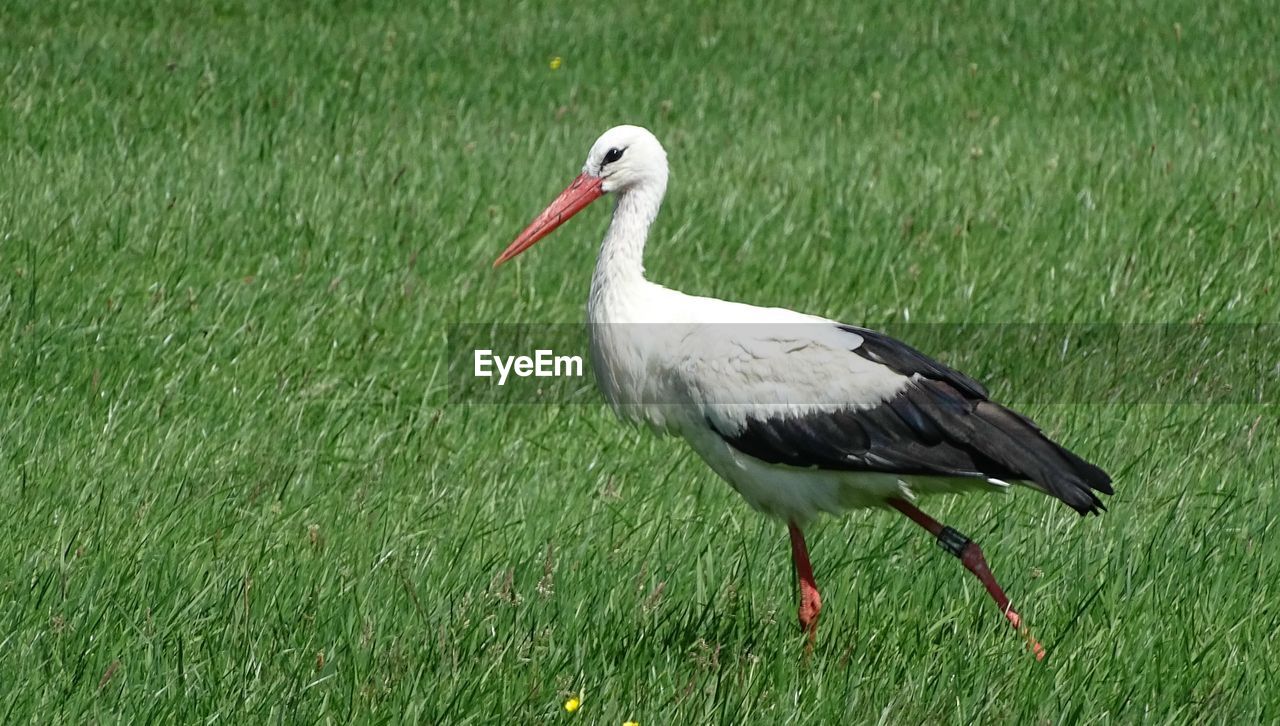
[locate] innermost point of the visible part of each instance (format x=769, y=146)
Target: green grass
x=232, y=236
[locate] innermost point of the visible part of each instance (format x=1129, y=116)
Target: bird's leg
x=971, y=556
x=810, y=600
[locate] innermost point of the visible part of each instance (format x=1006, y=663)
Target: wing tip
x=1080, y=489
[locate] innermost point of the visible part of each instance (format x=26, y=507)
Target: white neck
x=621, y=261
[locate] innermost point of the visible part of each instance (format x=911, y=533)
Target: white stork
x=800, y=414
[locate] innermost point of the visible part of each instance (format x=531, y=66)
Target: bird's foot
x=810, y=600
x=810, y=609
x=1033, y=645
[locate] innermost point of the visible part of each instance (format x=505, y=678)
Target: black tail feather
x=1018, y=448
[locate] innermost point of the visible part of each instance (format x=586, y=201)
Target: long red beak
x=583, y=191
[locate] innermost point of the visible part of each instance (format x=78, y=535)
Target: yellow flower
x=630, y=723
x=573, y=704
x=555, y=63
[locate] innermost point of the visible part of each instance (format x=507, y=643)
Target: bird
x=802, y=415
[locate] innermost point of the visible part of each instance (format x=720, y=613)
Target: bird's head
x=623, y=159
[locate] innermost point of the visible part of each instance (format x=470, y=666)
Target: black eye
x=612, y=155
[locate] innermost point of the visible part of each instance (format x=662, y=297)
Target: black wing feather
x=940, y=424
x=906, y=360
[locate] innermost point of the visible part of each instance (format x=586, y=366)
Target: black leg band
x=952, y=541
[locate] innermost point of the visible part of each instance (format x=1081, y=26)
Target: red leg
x=810, y=600
x=971, y=556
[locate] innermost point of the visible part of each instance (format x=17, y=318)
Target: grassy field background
x=233, y=234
